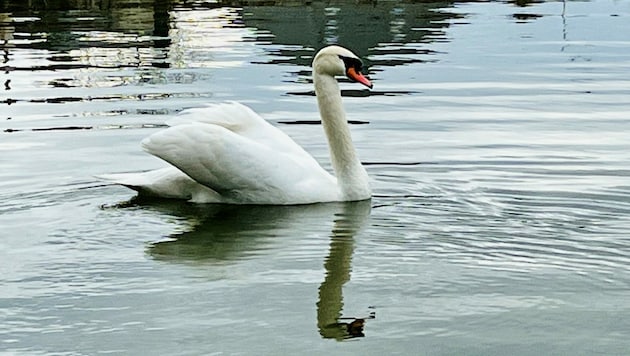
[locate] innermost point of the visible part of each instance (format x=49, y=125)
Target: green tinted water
x=496, y=138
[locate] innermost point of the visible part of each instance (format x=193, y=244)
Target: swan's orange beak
x=358, y=77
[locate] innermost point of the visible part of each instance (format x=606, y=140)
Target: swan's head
x=336, y=60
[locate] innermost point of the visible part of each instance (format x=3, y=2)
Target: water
x=496, y=138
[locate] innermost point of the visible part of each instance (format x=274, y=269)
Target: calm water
x=496, y=137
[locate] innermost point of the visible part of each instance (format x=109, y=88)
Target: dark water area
x=496, y=140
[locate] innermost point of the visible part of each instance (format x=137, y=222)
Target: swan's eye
x=351, y=62
x=354, y=70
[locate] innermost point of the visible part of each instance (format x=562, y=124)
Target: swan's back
x=231, y=114
x=240, y=120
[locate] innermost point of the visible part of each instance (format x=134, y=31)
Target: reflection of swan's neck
x=351, y=176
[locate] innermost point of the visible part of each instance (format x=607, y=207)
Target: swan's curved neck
x=351, y=176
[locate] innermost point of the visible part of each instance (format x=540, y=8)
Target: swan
x=226, y=153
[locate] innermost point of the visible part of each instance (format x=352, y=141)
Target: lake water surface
x=497, y=139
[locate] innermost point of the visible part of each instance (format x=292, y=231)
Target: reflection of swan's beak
x=358, y=77
x=355, y=328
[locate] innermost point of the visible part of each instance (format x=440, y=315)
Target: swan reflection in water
x=226, y=233
x=338, y=264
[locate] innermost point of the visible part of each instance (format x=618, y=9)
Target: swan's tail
x=167, y=182
x=135, y=181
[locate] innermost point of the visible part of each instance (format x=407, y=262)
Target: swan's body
x=226, y=153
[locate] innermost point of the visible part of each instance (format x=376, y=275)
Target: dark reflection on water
x=383, y=28
x=226, y=233
x=153, y=41
x=219, y=234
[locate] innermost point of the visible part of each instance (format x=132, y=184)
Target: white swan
x=226, y=153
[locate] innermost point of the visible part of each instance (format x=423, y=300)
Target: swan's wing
x=238, y=167
x=239, y=119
